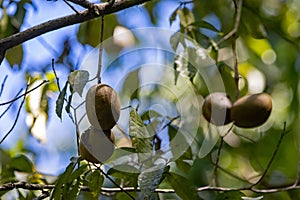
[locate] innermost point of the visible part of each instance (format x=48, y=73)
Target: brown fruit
x=109, y=134
x=85, y=154
x=216, y=108
x=95, y=146
x=102, y=106
x=251, y=110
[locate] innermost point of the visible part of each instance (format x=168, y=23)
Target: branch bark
x=29, y=186
x=51, y=25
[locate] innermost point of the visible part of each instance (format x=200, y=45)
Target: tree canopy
x=163, y=59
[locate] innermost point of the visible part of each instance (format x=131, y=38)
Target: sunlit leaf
x=60, y=100
x=78, y=80
x=186, y=17
x=182, y=186
x=139, y=135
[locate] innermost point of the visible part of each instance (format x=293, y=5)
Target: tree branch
x=236, y=23
x=51, y=25
x=29, y=186
x=83, y=3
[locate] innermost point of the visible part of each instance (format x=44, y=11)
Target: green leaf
x=183, y=165
x=95, y=182
x=7, y=28
x=131, y=85
x=149, y=114
x=21, y=163
x=89, y=32
x=186, y=17
x=71, y=190
x=210, y=140
x=14, y=56
x=182, y=186
x=232, y=195
x=227, y=75
x=253, y=24
x=78, y=172
x=60, y=100
x=125, y=172
x=173, y=16
x=68, y=106
x=149, y=180
x=138, y=133
x=175, y=39
x=78, y=80
x=62, y=179
x=206, y=25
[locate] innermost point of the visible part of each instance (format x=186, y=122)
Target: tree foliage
x=237, y=46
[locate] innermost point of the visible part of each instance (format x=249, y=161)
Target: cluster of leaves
x=267, y=28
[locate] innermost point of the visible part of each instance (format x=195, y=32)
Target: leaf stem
x=100, y=50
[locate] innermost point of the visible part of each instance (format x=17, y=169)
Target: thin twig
x=215, y=173
x=273, y=156
x=25, y=93
x=112, y=180
x=236, y=23
x=56, y=77
x=17, y=117
x=10, y=105
x=77, y=130
x=100, y=50
x=72, y=7
x=2, y=85
x=236, y=69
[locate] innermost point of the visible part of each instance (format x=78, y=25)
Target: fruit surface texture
x=102, y=106
x=251, y=110
x=216, y=108
x=95, y=146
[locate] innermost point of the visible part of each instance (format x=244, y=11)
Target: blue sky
x=54, y=155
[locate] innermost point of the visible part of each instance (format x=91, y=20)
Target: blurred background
x=268, y=55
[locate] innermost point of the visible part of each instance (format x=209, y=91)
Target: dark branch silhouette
x=51, y=25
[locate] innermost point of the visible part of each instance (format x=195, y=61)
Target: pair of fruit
x=103, y=111
x=247, y=112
